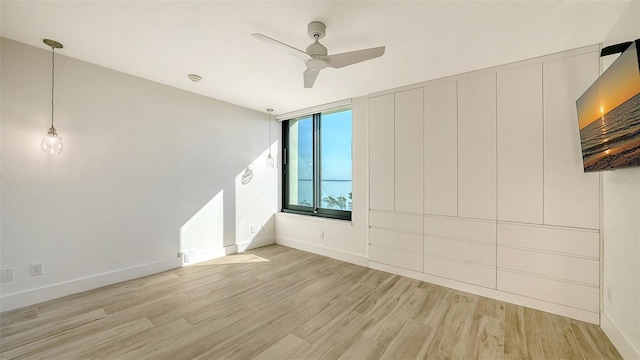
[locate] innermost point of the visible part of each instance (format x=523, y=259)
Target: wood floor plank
x=289, y=347
x=247, y=277
x=411, y=343
x=133, y=346
x=491, y=308
x=328, y=288
x=224, y=288
x=328, y=319
x=19, y=315
x=202, y=307
x=293, y=284
x=375, y=279
x=26, y=332
x=487, y=339
x=385, y=298
x=220, y=301
x=593, y=342
x=104, y=296
x=184, y=282
x=44, y=344
x=278, y=302
x=85, y=347
x=521, y=339
x=434, y=307
x=487, y=329
x=452, y=337
x=556, y=337
x=300, y=263
x=262, y=337
x=390, y=319
x=190, y=341
x=201, y=337
x=364, y=348
x=256, y=297
x=334, y=343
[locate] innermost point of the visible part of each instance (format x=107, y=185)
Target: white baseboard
x=255, y=243
x=618, y=339
x=34, y=296
x=324, y=251
x=204, y=255
x=563, y=310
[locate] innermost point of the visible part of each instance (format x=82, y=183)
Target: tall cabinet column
x=477, y=147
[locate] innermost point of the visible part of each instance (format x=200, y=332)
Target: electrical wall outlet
x=186, y=257
x=6, y=275
x=37, y=269
x=321, y=234
x=253, y=229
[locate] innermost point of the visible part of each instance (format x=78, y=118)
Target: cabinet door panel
x=557, y=266
x=396, y=240
x=381, y=154
x=552, y=290
x=396, y=257
x=477, y=147
x=571, y=197
x=460, y=250
x=569, y=241
x=520, y=152
x=470, y=273
x=391, y=220
x=408, y=151
x=441, y=149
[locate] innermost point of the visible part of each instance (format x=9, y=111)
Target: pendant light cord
x=269, y=134
x=53, y=68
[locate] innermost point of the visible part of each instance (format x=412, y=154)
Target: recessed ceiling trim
x=314, y=110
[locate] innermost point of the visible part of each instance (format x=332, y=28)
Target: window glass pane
x=300, y=174
x=335, y=160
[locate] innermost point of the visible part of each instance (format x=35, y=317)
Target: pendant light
x=52, y=142
x=270, y=160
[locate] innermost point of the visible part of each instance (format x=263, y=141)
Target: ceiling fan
x=316, y=57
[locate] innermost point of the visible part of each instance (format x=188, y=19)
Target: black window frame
x=315, y=209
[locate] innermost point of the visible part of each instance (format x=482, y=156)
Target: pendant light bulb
x=271, y=162
x=52, y=142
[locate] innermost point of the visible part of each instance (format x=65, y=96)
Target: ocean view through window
x=317, y=161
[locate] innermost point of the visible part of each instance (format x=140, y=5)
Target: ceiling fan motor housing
x=316, y=49
x=316, y=30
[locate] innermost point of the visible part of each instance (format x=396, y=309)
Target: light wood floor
x=280, y=303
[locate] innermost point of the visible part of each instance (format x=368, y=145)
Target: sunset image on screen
x=609, y=116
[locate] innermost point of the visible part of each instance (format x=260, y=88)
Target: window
x=317, y=164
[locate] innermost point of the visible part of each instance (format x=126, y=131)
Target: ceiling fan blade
x=291, y=50
x=310, y=77
x=353, y=57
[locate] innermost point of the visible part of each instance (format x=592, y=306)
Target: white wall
x=147, y=171
x=343, y=240
x=621, y=230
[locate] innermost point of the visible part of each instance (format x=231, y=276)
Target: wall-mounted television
x=609, y=115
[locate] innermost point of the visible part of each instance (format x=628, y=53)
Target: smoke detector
x=195, y=78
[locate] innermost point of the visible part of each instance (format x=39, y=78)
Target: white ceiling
x=164, y=41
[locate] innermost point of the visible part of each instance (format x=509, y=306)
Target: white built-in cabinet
x=395, y=179
x=381, y=153
x=477, y=146
x=520, y=144
x=476, y=182
x=441, y=149
x=408, y=151
x=571, y=197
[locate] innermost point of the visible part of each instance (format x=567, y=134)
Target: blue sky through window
x=335, y=160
